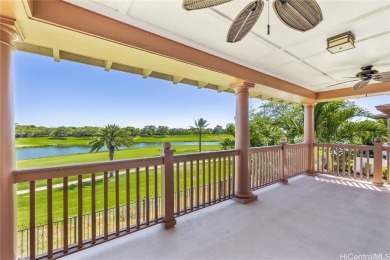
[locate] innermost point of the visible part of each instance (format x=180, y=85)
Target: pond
x=36, y=152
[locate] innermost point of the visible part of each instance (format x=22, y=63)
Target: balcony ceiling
x=299, y=60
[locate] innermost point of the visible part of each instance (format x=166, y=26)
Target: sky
x=65, y=93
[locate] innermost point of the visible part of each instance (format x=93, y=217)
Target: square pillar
x=242, y=187
x=8, y=248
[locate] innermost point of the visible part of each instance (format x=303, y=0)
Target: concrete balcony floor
x=310, y=218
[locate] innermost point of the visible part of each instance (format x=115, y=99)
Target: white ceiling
x=297, y=57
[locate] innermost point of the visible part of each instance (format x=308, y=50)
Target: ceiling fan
x=365, y=75
x=301, y=15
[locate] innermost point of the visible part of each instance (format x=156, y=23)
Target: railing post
x=377, y=180
x=167, y=187
x=283, y=160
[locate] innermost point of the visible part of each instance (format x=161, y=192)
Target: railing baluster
x=192, y=185
x=209, y=178
x=65, y=215
x=185, y=186
x=80, y=210
x=147, y=195
x=137, y=202
x=349, y=163
x=361, y=163
x=156, y=195
x=343, y=162
x=215, y=180
x=368, y=168
x=234, y=175
x=117, y=216
x=354, y=163
x=128, y=216
x=224, y=178
x=197, y=184
x=229, y=174
x=204, y=182
x=105, y=216
x=32, y=220
x=49, y=218
x=178, y=188
x=219, y=178
x=93, y=208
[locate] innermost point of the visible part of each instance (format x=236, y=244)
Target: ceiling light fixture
x=341, y=42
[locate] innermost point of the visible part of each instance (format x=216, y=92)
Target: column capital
x=309, y=105
x=242, y=86
x=8, y=32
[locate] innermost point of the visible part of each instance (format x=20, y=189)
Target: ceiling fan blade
x=299, y=15
x=200, y=4
x=245, y=21
x=360, y=84
x=342, y=83
x=383, y=76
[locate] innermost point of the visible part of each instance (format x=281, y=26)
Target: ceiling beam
x=146, y=73
x=202, y=84
x=56, y=55
x=382, y=88
x=107, y=65
x=176, y=79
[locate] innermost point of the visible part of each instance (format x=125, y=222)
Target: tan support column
x=377, y=180
x=167, y=187
x=7, y=147
x=308, y=136
x=242, y=182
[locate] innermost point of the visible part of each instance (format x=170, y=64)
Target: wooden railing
x=203, y=179
x=87, y=204
x=271, y=164
x=90, y=187
x=349, y=161
x=386, y=150
x=297, y=156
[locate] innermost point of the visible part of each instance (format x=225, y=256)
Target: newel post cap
x=377, y=140
x=283, y=141
x=166, y=145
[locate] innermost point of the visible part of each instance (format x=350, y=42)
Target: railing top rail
x=205, y=155
x=296, y=145
x=44, y=173
x=265, y=149
x=386, y=148
x=350, y=146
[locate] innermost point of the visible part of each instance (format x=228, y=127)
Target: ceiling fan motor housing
x=366, y=72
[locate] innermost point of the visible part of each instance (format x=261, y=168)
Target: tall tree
x=199, y=127
x=113, y=137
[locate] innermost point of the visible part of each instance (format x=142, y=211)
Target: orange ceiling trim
x=374, y=89
x=72, y=17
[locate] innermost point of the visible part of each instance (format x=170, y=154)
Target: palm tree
x=342, y=122
x=113, y=137
x=200, y=125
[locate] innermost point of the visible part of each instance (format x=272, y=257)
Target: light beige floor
x=310, y=218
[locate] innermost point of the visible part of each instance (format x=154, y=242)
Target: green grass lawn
x=41, y=196
x=74, y=141
x=98, y=157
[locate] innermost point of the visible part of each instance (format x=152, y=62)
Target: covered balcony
x=286, y=201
